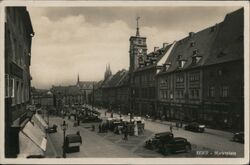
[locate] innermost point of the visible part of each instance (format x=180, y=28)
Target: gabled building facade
x=115, y=92
x=18, y=39
x=202, y=79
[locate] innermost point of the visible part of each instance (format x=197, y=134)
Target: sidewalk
x=207, y=130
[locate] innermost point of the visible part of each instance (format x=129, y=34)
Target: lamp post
x=64, y=127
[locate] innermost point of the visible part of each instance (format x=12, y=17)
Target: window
x=162, y=94
x=192, y=93
x=22, y=93
x=211, y=91
x=197, y=93
x=18, y=95
x=181, y=63
x=12, y=87
x=179, y=78
x=7, y=86
x=224, y=91
x=179, y=93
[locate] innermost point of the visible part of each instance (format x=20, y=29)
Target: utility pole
x=93, y=95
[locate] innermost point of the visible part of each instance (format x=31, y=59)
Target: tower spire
x=78, y=79
x=137, y=27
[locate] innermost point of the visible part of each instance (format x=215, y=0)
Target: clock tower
x=138, y=49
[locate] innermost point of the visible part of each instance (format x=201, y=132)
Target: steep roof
x=118, y=79
x=222, y=42
x=66, y=90
x=150, y=60
x=86, y=84
x=98, y=84
x=229, y=44
x=184, y=49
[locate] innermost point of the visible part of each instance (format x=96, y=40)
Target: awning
x=40, y=122
x=35, y=134
x=32, y=141
x=28, y=148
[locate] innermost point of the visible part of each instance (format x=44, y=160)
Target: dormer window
x=195, y=52
x=181, y=63
x=192, y=44
x=196, y=59
x=166, y=66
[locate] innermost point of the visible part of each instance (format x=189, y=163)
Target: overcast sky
x=84, y=40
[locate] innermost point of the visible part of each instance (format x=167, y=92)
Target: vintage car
x=72, y=143
x=196, y=127
x=89, y=119
x=158, y=140
x=239, y=137
x=52, y=129
x=176, y=144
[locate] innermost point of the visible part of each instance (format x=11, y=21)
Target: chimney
x=165, y=44
x=191, y=34
x=156, y=48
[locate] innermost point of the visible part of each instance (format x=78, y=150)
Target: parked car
x=239, y=137
x=52, y=129
x=196, y=127
x=158, y=140
x=72, y=143
x=176, y=144
x=89, y=119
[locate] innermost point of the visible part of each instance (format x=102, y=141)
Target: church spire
x=78, y=79
x=107, y=72
x=137, y=28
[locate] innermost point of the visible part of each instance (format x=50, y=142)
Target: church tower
x=108, y=72
x=78, y=80
x=138, y=48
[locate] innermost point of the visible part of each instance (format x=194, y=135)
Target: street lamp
x=64, y=127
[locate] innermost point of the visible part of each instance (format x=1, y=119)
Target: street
x=104, y=145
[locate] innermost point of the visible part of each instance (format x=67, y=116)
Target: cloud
x=67, y=46
x=84, y=40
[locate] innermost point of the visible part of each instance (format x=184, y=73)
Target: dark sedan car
x=239, y=137
x=196, y=127
x=158, y=140
x=177, y=144
x=52, y=129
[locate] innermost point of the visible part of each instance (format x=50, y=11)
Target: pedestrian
x=136, y=129
x=171, y=128
x=78, y=121
x=125, y=133
x=100, y=128
x=105, y=113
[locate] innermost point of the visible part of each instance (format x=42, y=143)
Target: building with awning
x=32, y=139
x=17, y=60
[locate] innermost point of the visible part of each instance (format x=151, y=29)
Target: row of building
x=24, y=130
x=197, y=78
